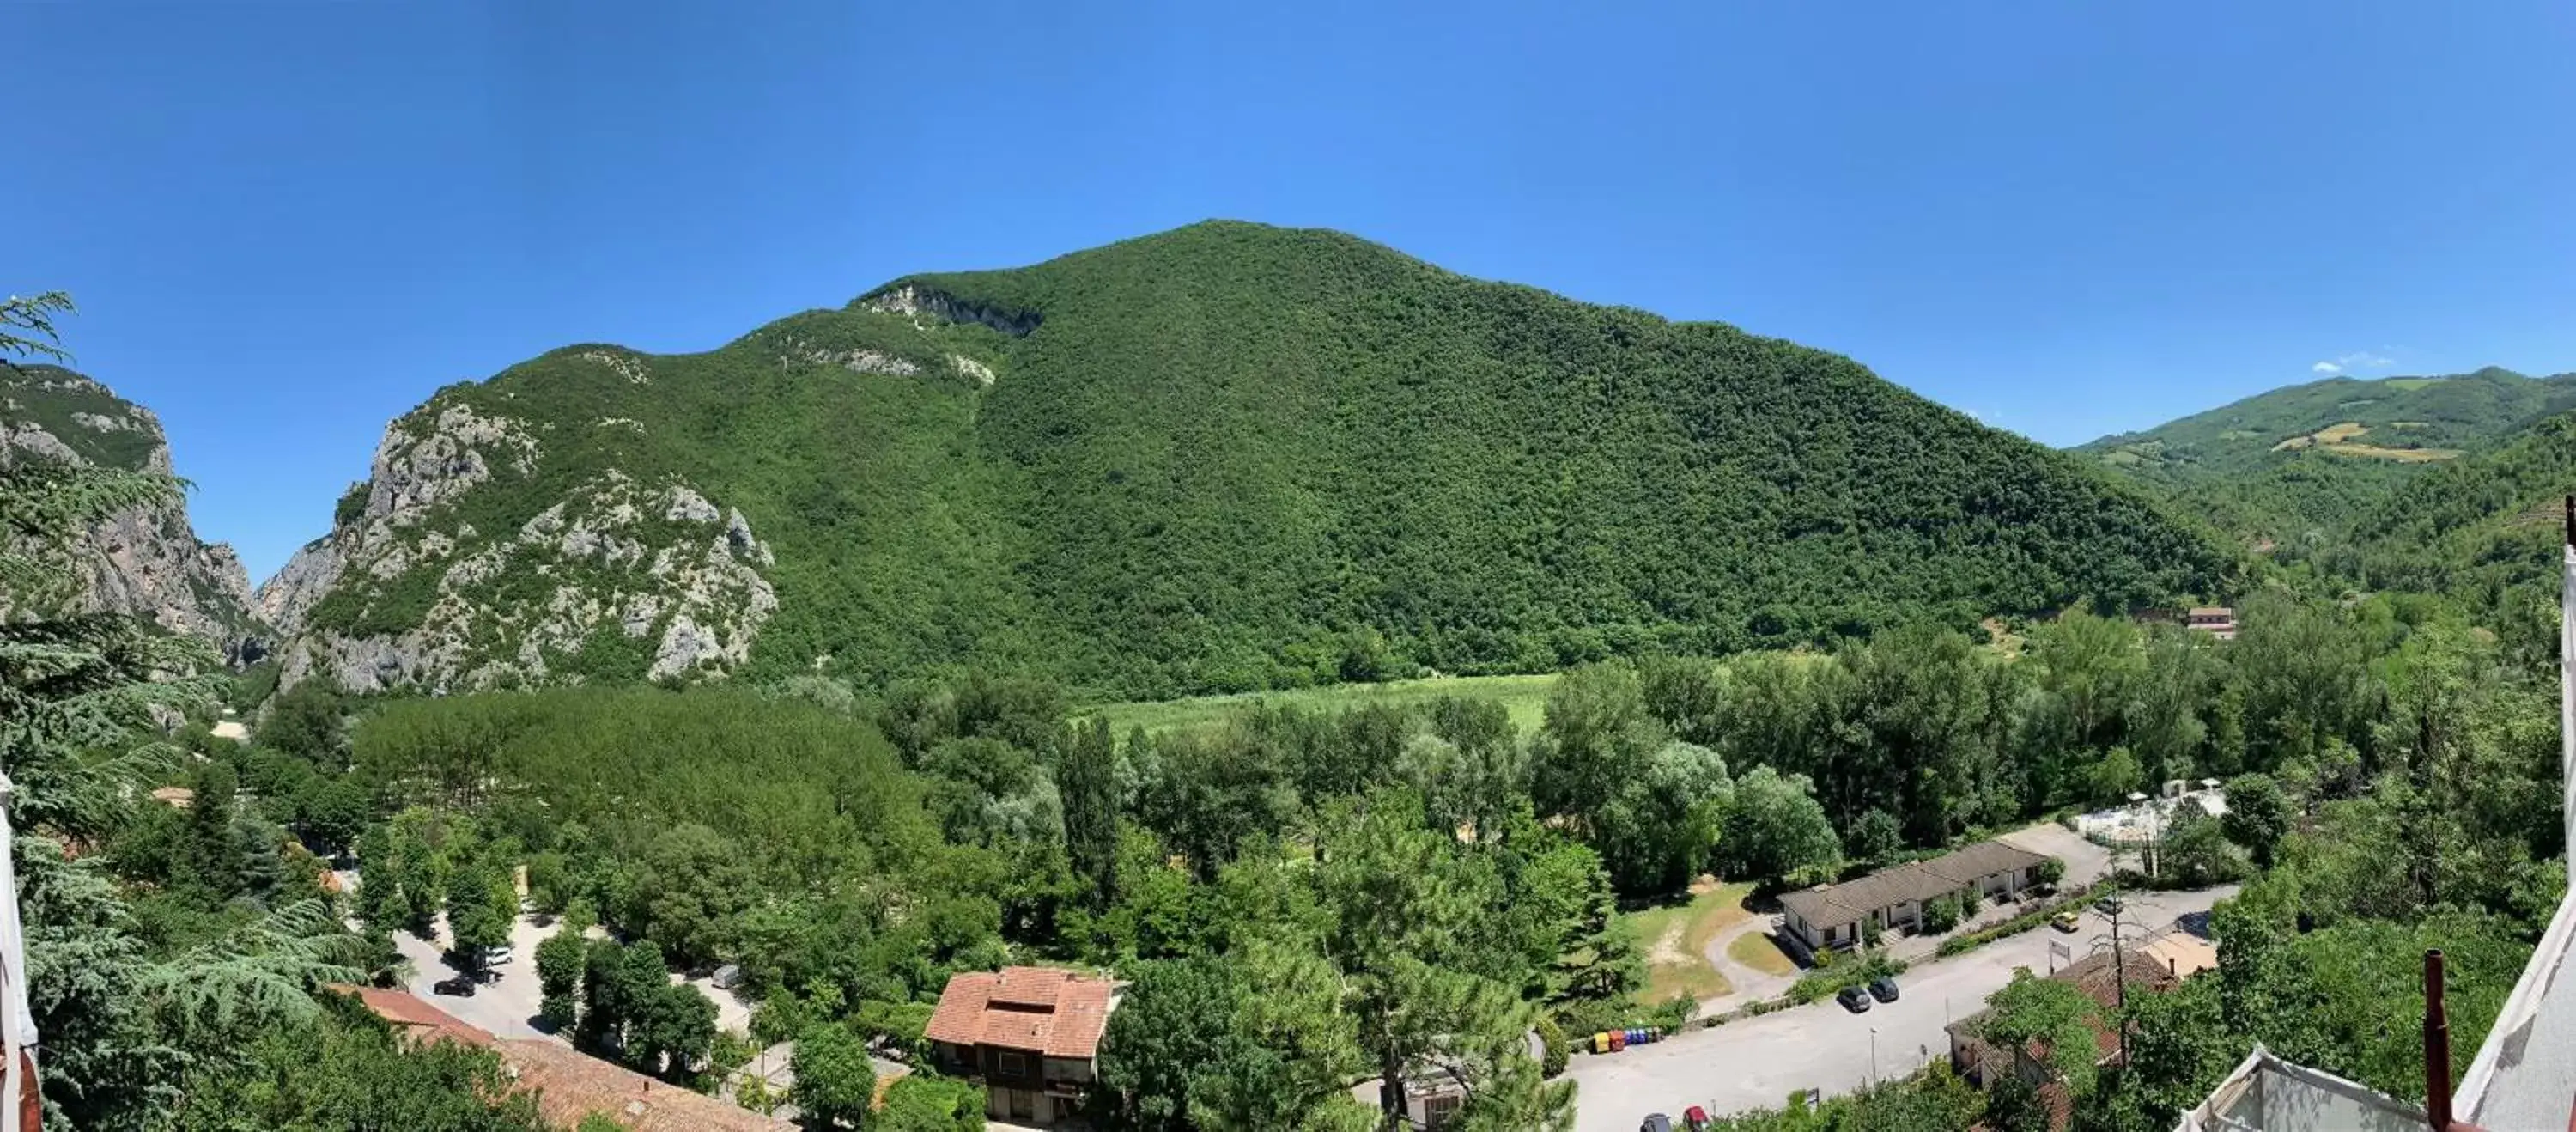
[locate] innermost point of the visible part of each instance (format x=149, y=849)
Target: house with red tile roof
x=2138, y=972
x=1031, y=1035
x=569, y=1084
x=416, y=1021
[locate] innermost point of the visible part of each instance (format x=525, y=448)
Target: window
x=1437, y=1111
x=1013, y=1065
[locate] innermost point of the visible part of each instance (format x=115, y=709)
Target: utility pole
x=2112, y=906
x=1873, y=1057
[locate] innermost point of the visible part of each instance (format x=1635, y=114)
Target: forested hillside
x=2484, y=531
x=1220, y=458
x=2300, y=463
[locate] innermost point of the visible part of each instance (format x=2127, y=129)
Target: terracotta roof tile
x=1043, y=1010
x=1030, y=986
x=960, y=1016
x=1081, y=1015
x=416, y=1019
x=571, y=1085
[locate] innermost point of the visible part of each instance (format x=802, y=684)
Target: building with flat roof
x=1832, y=915
x=2216, y=620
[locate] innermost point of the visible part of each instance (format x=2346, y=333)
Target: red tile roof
x=571, y=1085
x=418, y=1020
x=1039, y=1009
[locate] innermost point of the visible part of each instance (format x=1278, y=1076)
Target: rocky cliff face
x=146, y=561
x=469, y=560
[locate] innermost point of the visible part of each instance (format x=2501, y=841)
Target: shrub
x=1824, y=981
x=1552, y=1047
x=2015, y=926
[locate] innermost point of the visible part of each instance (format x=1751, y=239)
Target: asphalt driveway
x=1758, y=1062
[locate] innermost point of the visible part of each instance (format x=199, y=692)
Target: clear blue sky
x=288, y=223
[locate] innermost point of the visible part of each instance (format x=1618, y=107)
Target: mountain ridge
x=2304, y=461
x=1223, y=457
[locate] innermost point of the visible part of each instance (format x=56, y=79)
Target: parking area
x=2086, y=862
x=1758, y=1062
x=506, y=1006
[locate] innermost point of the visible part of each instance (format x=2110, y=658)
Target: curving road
x=1758, y=1062
x=1749, y=985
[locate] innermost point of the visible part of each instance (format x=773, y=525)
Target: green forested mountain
x=2304, y=461
x=1223, y=457
x=2484, y=530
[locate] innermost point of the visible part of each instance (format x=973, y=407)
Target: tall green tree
x=1774, y=826
x=1423, y=988
x=835, y=1081
x=559, y=971
x=1087, y=780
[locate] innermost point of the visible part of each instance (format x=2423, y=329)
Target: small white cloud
x=2358, y=359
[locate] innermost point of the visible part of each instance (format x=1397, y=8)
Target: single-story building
x=1031, y=1035
x=1832, y=915
x=2216, y=620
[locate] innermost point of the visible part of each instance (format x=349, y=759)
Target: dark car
x=458, y=987
x=1883, y=989
x=1853, y=999
x=1657, y=1123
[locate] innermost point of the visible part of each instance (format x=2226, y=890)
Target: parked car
x=1695, y=1119
x=2063, y=921
x=1657, y=1123
x=495, y=956
x=1853, y=999
x=1883, y=989
x=458, y=987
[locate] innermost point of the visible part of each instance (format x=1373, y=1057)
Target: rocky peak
x=611, y=577
x=145, y=560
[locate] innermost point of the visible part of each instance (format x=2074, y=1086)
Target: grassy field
x=1675, y=938
x=2401, y=455
x=1523, y=696
x=1755, y=950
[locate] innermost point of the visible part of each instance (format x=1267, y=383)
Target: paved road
x=1757, y=1062
x=508, y=1007
x=1744, y=983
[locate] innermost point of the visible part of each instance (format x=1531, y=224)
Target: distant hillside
x=2481, y=528
x=2307, y=460
x=1220, y=458
x=149, y=560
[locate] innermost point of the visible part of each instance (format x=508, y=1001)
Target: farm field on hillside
x=1524, y=696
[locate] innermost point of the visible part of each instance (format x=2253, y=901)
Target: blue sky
x=289, y=223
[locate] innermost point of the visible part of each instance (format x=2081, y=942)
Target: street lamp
x=1873, y=1057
